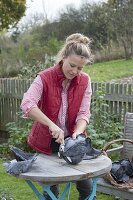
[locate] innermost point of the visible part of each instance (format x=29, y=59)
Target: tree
x=95, y=23
x=121, y=16
x=70, y=21
x=10, y=12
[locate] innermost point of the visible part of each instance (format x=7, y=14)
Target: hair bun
x=78, y=38
x=76, y=44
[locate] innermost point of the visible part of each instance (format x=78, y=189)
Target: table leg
x=35, y=190
x=50, y=193
x=94, y=187
x=66, y=190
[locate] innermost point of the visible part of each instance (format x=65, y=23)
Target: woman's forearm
x=80, y=127
x=37, y=115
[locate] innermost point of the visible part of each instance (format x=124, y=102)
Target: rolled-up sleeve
x=84, y=111
x=32, y=96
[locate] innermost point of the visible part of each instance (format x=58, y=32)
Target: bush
x=30, y=71
x=18, y=132
x=103, y=126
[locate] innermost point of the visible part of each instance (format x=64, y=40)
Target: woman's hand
x=75, y=134
x=79, y=128
x=57, y=133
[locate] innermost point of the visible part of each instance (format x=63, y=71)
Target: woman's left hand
x=75, y=134
x=79, y=128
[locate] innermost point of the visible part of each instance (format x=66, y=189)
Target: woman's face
x=73, y=65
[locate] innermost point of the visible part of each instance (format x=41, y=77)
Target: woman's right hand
x=57, y=133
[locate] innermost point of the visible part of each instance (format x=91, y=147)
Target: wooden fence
x=119, y=97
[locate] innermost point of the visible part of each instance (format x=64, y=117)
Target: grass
x=105, y=71
x=17, y=189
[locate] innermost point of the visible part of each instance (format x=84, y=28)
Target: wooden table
x=49, y=170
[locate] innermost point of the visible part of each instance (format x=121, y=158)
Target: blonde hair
x=76, y=44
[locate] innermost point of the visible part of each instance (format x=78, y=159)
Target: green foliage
x=27, y=52
x=53, y=46
x=109, y=25
x=30, y=71
x=103, y=126
x=120, y=18
x=18, y=132
x=11, y=12
x=95, y=24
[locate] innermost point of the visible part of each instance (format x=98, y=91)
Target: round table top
x=51, y=169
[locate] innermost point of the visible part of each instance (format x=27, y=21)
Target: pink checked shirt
x=33, y=95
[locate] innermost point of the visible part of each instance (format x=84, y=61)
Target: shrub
x=18, y=132
x=30, y=71
x=103, y=126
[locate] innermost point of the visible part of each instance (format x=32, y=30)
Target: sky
x=50, y=7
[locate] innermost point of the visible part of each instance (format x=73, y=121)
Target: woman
x=58, y=101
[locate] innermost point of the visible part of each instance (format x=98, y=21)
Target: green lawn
x=110, y=70
x=19, y=190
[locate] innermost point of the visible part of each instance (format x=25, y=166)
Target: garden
x=103, y=127
x=29, y=47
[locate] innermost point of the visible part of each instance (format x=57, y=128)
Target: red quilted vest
x=39, y=137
